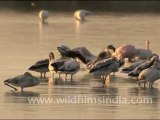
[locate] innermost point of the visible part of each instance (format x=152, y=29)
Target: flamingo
x=135, y=72
x=130, y=52
x=68, y=66
x=81, y=14
x=80, y=52
x=132, y=66
x=124, y=51
x=40, y=66
x=144, y=53
x=101, y=56
x=43, y=15
x=105, y=67
x=22, y=81
x=149, y=75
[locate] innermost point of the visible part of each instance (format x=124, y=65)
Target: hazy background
x=94, y=5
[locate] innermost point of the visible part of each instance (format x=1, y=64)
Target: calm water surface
x=23, y=40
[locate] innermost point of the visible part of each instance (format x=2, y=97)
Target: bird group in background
x=106, y=62
x=79, y=15
x=144, y=65
x=145, y=70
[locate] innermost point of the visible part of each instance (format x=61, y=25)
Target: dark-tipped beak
x=6, y=81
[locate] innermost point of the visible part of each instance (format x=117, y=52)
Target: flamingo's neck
x=51, y=56
x=147, y=44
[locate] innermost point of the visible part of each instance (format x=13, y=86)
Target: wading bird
x=81, y=14
x=43, y=15
x=40, y=66
x=105, y=67
x=22, y=81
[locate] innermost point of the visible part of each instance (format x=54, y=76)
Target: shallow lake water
x=23, y=41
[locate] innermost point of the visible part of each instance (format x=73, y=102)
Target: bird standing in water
x=69, y=66
x=22, y=81
x=43, y=15
x=81, y=14
x=40, y=66
x=105, y=67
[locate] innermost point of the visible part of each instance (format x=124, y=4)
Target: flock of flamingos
x=139, y=63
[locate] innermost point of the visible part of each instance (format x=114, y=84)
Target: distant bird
x=40, y=66
x=70, y=66
x=81, y=14
x=135, y=72
x=22, y=81
x=124, y=51
x=149, y=75
x=105, y=67
x=43, y=15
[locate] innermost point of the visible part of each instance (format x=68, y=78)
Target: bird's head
x=153, y=56
x=111, y=47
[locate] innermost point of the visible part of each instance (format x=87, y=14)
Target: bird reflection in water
x=77, y=25
x=19, y=97
x=145, y=92
x=22, y=94
x=41, y=28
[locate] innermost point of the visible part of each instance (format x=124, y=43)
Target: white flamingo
x=81, y=14
x=43, y=15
